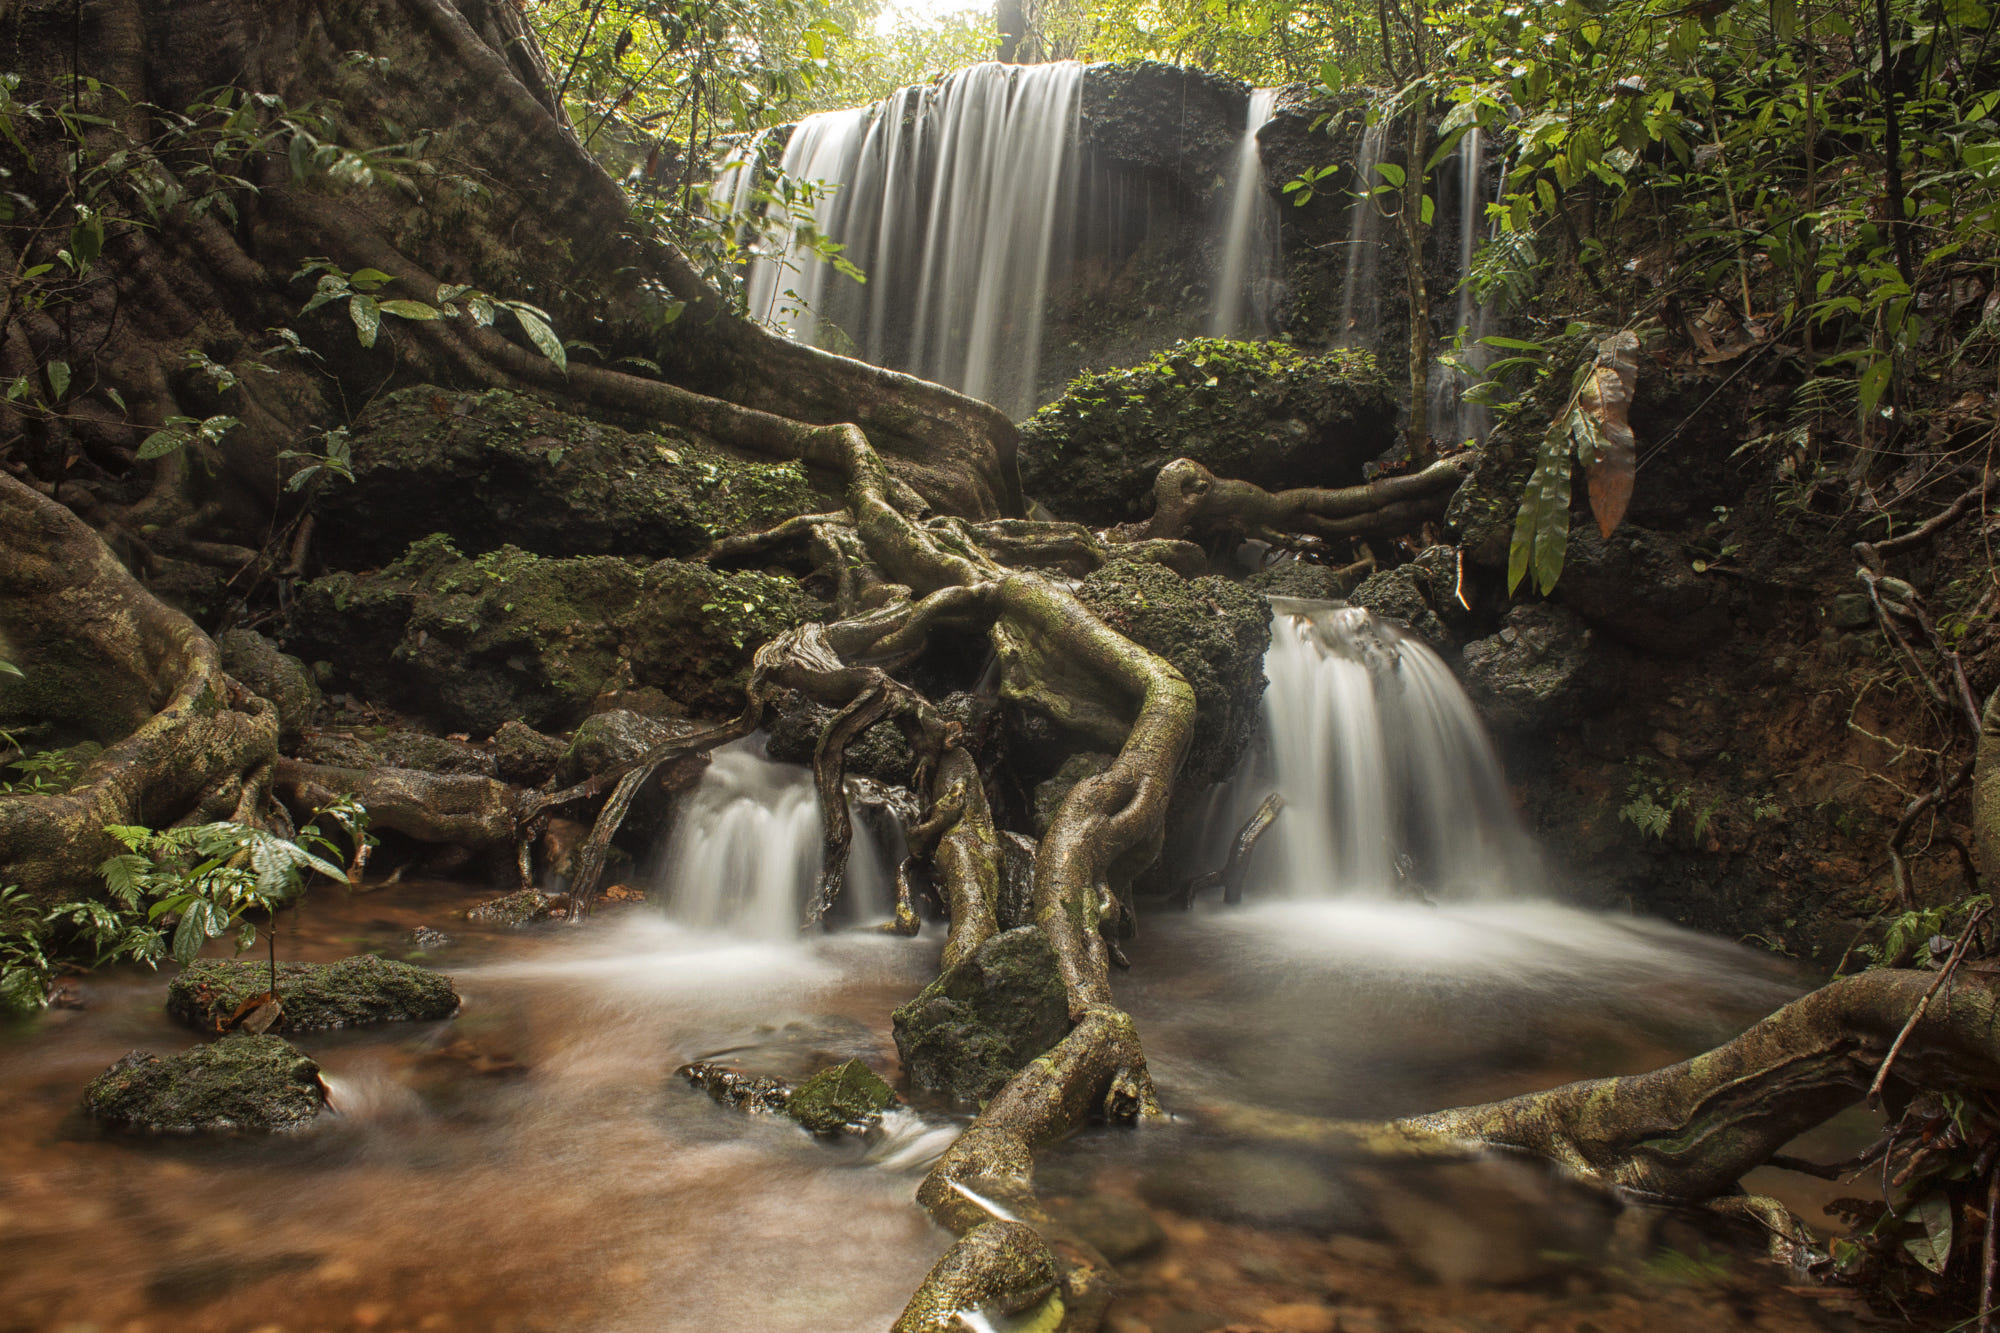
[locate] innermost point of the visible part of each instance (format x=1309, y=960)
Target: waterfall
x=1250, y=233
x=1452, y=418
x=744, y=851
x=1391, y=785
x=958, y=271
x=1361, y=292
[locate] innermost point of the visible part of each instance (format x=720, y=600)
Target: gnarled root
x=462, y=808
x=1188, y=498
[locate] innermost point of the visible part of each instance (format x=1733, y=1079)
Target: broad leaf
x=1933, y=1248
x=367, y=317
x=1602, y=408
x=541, y=334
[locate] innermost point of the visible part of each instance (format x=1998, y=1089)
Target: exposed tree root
x=1188, y=498
x=474, y=812
x=1237, y=868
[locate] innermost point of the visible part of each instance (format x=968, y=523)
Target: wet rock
x=984, y=1018
x=1212, y=631
x=846, y=1098
x=495, y=466
x=1640, y=587
x=1119, y=1229
x=1184, y=122
x=1403, y=594
x=1259, y=1187
x=239, y=1082
x=1017, y=880
x=997, y=1266
x=615, y=738
x=313, y=996
x=519, y=908
x=511, y=636
x=524, y=756
x=881, y=752
x=423, y=939
x=1298, y=578
x=1258, y=412
x=757, y=1094
x=1538, y=671
x=259, y=667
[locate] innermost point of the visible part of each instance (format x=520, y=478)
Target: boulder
x=239, y=1082
x=1301, y=579
x=881, y=752
x=1049, y=792
x=1259, y=412
x=1641, y=587
x=313, y=997
x=1185, y=123
x=1403, y=594
x=843, y=1099
x=984, y=1018
x=524, y=756
x=259, y=667
x=498, y=467
x=614, y=739
x=512, y=636
x=520, y=908
x=1537, y=673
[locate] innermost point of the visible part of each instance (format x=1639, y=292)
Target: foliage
x=35, y=944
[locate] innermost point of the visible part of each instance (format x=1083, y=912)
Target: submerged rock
x=512, y=636
x=969, y=1031
x=313, y=996
x=1120, y=1229
x=498, y=466
x=239, y=1082
x=1258, y=412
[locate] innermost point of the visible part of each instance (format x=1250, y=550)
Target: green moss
x=239, y=1082
x=313, y=996
x=845, y=1097
x=985, y=1017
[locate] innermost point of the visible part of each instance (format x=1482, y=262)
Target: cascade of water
x=1452, y=418
x=1250, y=234
x=958, y=274
x=1360, y=294
x=744, y=850
x=1390, y=783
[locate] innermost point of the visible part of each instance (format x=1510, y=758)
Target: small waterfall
x=1250, y=234
x=957, y=273
x=1361, y=293
x=744, y=851
x=1452, y=418
x=1391, y=785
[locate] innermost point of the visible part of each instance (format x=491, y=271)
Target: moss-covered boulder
x=314, y=997
x=840, y=1100
x=476, y=642
x=984, y=1018
x=523, y=907
x=499, y=467
x=259, y=667
x=1214, y=632
x=1259, y=412
x=524, y=756
x=239, y=1082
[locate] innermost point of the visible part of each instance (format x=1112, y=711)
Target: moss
x=984, y=1018
x=846, y=1097
x=1212, y=631
x=513, y=636
x=498, y=466
x=239, y=1082
x=313, y=996
x=1260, y=412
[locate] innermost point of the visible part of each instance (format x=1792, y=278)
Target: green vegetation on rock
x=985, y=1017
x=313, y=996
x=845, y=1097
x=239, y=1082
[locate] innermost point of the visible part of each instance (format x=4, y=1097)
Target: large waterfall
x=1249, y=234
x=1390, y=783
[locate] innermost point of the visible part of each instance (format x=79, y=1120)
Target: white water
x=1452, y=419
x=958, y=274
x=1250, y=234
x=744, y=851
x=1392, y=788
x=1360, y=293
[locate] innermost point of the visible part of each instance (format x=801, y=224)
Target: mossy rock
x=1049, y=793
x=1212, y=631
x=239, y=1082
x=475, y=643
x=497, y=465
x=524, y=756
x=259, y=667
x=313, y=997
x=522, y=907
x=839, y=1100
x=1258, y=412
x=988, y=1015
x=881, y=752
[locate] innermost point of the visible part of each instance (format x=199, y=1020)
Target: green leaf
x=1874, y=380
x=1511, y=344
x=1933, y=1248
x=163, y=442
x=1391, y=173
x=1785, y=19
x=58, y=373
x=367, y=317
x=1429, y=210
x=117, y=398
x=9, y=669
x=369, y=279
x=1541, y=527
x=408, y=309
x=539, y=333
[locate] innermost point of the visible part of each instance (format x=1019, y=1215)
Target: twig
x=1986, y=1254
x=1237, y=868
x=1923, y=1005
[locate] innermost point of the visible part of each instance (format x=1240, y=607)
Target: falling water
x=1391, y=785
x=1360, y=293
x=1250, y=236
x=1452, y=418
x=744, y=850
x=957, y=269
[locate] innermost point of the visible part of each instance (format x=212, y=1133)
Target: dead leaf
x=256, y=1014
x=1605, y=400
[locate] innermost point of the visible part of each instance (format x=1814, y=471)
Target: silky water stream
x=532, y=1164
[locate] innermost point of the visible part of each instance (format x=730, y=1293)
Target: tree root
x=1188, y=498
x=471, y=811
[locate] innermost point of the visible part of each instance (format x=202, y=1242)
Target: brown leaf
x=1606, y=399
x=256, y=1014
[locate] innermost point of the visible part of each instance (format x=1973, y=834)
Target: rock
x=1258, y=412
x=524, y=756
x=259, y=667
x=1640, y=587
x=496, y=466
x=842, y=1099
x=313, y=996
x=1119, y=1229
x=614, y=739
x=423, y=939
x=519, y=908
x=1300, y=579
x=1017, y=880
x=757, y=1094
x=1183, y=122
x=512, y=636
x=1852, y=611
x=435, y=754
x=1403, y=595
x=239, y=1082
x=1537, y=673
x=1212, y=631
x=881, y=752
x=339, y=749
x=1298, y=1317
x=968, y=1032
